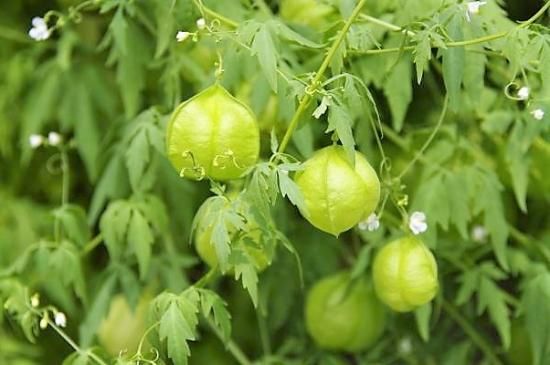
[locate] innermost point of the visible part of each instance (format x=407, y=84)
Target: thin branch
x=306, y=99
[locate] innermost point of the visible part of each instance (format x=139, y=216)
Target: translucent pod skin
x=405, y=274
x=213, y=135
x=343, y=315
x=121, y=330
x=337, y=194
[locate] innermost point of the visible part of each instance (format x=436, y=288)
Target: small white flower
x=60, y=319
x=417, y=222
x=472, y=8
x=182, y=36
x=54, y=138
x=39, y=30
x=322, y=108
x=523, y=93
x=35, y=300
x=43, y=322
x=479, y=234
x=35, y=140
x=372, y=223
x=201, y=23
x=538, y=114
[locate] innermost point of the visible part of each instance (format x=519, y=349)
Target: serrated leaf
x=114, y=224
x=422, y=53
x=246, y=272
x=138, y=157
x=212, y=303
x=73, y=221
x=492, y=300
x=140, y=238
x=339, y=120
x=263, y=47
x=422, y=316
x=398, y=91
x=289, y=189
x=65, y=262
x=456, y=186
x=176, y=331
x=537, y=313
x=293, y=36
x=453, y=64
x=165, y=25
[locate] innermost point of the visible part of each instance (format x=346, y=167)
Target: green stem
x=232, y=347
x=429, y=140
x=90, y=246
x=65, y=168
x=306, y=99
x=386, y=25
x=144, y=337
x=71, y=343
x=484, y=39
x=469, y=329
x=264, y=335
x=213, y=14
x=207, y=278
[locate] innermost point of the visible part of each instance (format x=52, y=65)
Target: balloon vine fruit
x=405, y=274
x=213, y=135
x=337, y=194
x=342, y=314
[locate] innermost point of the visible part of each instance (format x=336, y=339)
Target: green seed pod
x=337, y=194
x=405, y=274
x=344, y=315
x=213, y=134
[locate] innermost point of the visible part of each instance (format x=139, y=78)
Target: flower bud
x=405, y=274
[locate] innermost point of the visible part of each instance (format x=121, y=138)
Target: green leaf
x=339, y=120
x=176, y=331
x=165, y=25
x=518, y=163
x=113, y=225
x=65, y=263
x=491, y=298
x=537, y=313
x=96, y=311
x=422, y=316
x=488, y=199
x=289, y=189
x=247, y=273
x=398, y=91
x=263, y=47
x=212, y=303
x=453, y=63
x=422, y=53
x=456, y=186
x=138, y=157
x=73, y=221
x=141, y=239
x=293, y=36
